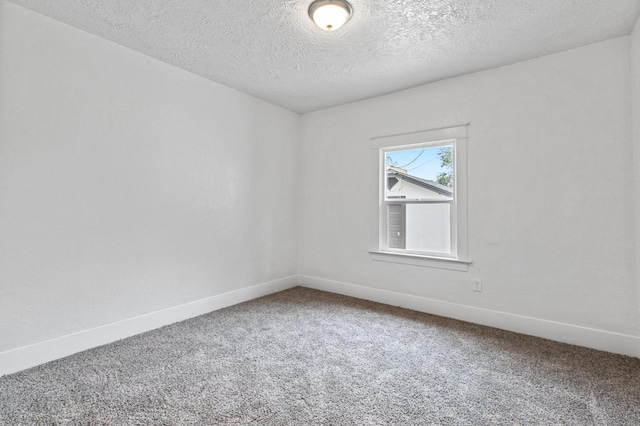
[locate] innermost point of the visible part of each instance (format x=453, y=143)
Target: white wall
x=635, y=85
x=128, y=185
x=551, y=217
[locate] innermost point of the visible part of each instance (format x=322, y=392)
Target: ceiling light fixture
x=330, y=14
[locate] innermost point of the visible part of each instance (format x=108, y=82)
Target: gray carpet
x=304, y=357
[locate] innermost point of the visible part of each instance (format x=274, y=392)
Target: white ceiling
x=272, y=50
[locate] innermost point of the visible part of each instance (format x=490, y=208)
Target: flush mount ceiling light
x=330, y=14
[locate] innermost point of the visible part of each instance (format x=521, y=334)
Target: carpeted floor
x=304, y=357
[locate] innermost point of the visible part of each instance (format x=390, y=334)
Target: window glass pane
x=425, y=173
x=428, y=227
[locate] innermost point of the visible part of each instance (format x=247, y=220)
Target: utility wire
x=417, y=167
x=421, y=152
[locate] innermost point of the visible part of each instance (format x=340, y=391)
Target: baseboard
x=566, y=333
x=29, y=356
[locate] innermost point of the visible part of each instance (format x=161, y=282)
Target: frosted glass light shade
x=330, y=14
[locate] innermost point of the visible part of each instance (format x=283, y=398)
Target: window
x=420, y=198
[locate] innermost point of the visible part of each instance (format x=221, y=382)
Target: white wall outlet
x=477, y=285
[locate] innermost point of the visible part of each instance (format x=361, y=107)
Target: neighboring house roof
x=424, y=183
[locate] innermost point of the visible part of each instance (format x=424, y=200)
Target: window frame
x=386, y=202
x=455, y=136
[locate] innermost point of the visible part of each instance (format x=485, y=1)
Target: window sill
x=417, y=260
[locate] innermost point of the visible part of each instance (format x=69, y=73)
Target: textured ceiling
x=272, y=50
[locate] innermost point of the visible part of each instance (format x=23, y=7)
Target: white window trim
x=459, y=260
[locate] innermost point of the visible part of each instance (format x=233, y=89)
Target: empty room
x=328, y=212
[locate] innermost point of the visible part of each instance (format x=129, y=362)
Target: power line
x=417, y=167
x=421, y=152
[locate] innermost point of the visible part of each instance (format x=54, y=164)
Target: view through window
x=419, y=198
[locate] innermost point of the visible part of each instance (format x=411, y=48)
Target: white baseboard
x=560, y=332
x=29, y=356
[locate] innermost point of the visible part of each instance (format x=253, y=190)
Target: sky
x=423, y=162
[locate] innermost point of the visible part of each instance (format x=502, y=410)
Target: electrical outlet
x=477, y=285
